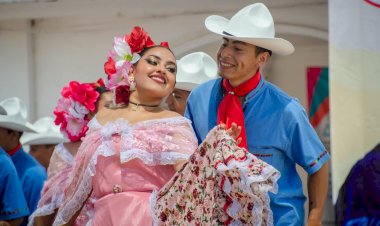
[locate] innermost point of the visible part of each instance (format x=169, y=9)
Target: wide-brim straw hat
x=254, y=25
x=46, y=133
x=13, y=115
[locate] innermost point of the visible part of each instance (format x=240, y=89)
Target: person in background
x=192, y=70
x=274, y=125
x=43, y=142
x=13, y=207
x=83, y=101
x=358, y=200
x=31, y=174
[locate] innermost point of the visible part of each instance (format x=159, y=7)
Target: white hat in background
x=194, y=69
x=13, y=115
x=46, y=133
x=253, y=24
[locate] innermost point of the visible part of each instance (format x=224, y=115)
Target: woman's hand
x=234, y=131
x=179, y=165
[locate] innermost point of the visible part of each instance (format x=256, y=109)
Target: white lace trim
x=236, y=223
x=65, y=154
x=158, y=158
x=153, y=202
x=248, y=187
x=44, y=210
x=234, y=209
x=79, y=197
x=94, y=123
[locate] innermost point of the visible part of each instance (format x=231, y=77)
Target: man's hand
x=234, y=131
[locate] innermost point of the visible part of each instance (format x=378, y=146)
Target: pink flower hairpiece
x=76, y=101
x=124, y=53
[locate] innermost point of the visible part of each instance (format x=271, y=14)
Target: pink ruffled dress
x=123, y=164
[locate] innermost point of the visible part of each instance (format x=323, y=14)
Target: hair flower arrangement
x=76, y=102
x=124, y=53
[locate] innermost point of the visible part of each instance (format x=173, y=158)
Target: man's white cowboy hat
x=13, y=115
x=194, y=69
x=253, y=24
x=46, y=133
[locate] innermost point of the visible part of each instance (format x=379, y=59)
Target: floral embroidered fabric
x=221, y=184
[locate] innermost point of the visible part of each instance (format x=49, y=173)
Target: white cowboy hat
x=194, y=69
x=253, y=24
x=46, y=133
x=13, y=115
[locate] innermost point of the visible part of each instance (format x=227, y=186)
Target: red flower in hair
x=109, y=67
x=122, y=94
x=138, y=40
x=100, y=83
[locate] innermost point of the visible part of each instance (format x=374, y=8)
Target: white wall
x=16, y=75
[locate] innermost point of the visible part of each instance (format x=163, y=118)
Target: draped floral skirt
x=221, y=184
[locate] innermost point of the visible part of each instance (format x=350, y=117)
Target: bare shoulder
x=170, y=114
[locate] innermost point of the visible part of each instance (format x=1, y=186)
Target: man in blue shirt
x=30, y=173
x=13, y=206
x=274, y=125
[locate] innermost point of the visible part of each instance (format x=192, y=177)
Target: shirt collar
x=14, y=150
x=257, y=90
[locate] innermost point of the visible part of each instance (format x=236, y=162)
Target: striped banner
x=318, y=94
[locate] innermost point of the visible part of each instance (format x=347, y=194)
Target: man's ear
x=263, y=58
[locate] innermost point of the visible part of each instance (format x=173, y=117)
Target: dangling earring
x=132, y=83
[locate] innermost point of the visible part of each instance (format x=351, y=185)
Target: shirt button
x=116, y=188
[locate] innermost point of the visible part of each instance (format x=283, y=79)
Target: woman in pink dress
x=62, y=160
x=134, y=148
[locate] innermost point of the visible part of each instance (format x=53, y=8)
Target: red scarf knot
x=230, y=109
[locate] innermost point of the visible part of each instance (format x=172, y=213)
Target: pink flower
x=76, y=128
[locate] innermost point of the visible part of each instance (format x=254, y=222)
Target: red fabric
x=230, y=109
x=14, y=150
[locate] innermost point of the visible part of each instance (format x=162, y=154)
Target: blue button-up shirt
x=278, y=131
x=12, y=200
x=32, y=176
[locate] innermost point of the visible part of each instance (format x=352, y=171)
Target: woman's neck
x=144, y=100
x=72, y=147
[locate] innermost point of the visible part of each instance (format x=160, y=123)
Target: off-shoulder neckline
x=94, y=123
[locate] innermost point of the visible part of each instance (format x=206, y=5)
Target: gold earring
x=132, y=83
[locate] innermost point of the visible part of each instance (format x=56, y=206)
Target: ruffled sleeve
x=80, y=182
x=61, y=163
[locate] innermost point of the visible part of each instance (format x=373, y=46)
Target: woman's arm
x=178, y=166
x=45, y=220
x=75, y=216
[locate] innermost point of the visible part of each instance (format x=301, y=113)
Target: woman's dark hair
x=101, y=90
x=151, y=47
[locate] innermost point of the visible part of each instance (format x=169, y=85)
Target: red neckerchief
x=14, y=150
x=230, y=109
